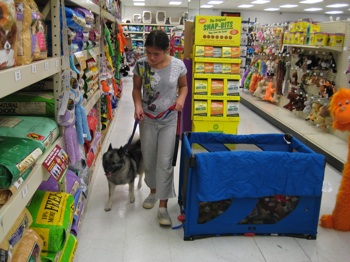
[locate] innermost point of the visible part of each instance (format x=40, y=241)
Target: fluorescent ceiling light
x=271, y=9
x=310, y=1
x=288, y=6
x=337, y=5
x=245, y=6
x=312, y=9
x=206, y=6
x=334, y=12
x=139, y=0
x=260, y=2
x=175, y=3
x=139, y=4
x=215, y=2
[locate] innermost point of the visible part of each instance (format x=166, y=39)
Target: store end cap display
x=218, y=30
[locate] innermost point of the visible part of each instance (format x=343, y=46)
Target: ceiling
x=231, y=5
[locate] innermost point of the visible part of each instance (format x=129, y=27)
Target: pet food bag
x=66, y=255
x=11, y=242
x=29, y=247
x=52, y=214
x=8, y=34
x=35, y=103
x=31, y=32
x=16, y=156
x=42, y=130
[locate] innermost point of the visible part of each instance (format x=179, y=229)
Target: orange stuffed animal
x=270, y=90
x=340, y=217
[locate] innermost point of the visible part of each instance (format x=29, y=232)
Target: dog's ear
x=121, y=151
x=110, y=147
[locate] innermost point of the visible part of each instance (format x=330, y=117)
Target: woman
x=160, y=89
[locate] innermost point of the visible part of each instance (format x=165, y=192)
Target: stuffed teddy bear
x=340, y=217
x=315, y=106
x=292, y=96
x=307, y=106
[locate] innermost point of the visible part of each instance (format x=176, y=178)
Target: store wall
x=262, y=17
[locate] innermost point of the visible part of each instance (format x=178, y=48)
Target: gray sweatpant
x=157, y=147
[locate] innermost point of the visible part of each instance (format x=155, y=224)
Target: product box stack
x=216, y=74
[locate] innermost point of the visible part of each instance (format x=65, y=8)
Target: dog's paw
x=108, y=209
x=132, y=199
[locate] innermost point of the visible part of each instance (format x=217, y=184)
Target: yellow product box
x=235, y=68
x=217, y=108
x=200, y=108
x=286, y=39
x=208, y=51
x=201, y=87
x=299, y=38
x=232, y=88
x=199, y=51
x=303, y=26
x=217, y=68
x=199, y=67
x=217, y=52
x=235, y=52
x=292, y=27
x=217, y=87
x=319, y=38
x=208, y=68
x=226, y=68
x=314, y=28
x=232, y=109
x=336, y=39
x=217, y=30
x=226, y=51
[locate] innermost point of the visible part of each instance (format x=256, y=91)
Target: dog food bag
x=29, y=248
x=52, y=214
x=8, y=34
x=17, y=155
x=11, y=242
x=65, y=255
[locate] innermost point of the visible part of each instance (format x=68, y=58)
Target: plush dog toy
x=340, y=217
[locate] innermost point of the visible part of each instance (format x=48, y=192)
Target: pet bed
x=28, y=103
x=229, y=192
x=16, y=156
x=40, y=129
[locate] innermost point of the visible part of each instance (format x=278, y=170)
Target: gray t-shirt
x=159, y=86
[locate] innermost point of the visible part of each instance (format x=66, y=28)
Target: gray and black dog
x=121, y=167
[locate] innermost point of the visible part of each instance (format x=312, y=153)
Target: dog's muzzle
x=108, y=174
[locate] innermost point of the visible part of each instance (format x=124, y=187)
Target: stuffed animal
x=340, y=217
x=67, y=120
x=260, y=90
x=270, y=90
x=314, y=110
x=292, y=96
x=254, y=82
x=81, y=123
x=307, y=106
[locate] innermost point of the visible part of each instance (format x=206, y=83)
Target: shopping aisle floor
x=130, y=233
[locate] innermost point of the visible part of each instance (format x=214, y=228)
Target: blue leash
x=126, y=147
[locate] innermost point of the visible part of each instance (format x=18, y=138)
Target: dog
x=121, y=166
x=7, y=41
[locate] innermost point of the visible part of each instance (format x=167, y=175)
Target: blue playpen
x=261, y=184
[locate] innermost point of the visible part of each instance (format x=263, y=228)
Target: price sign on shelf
x=56, y=163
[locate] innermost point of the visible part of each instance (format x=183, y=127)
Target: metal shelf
x=18, y=201
x=325, y=48
x=19, y=77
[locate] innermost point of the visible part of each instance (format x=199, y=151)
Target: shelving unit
x=17, y=78
x=139, y=31
x=331, y=143
x=216, y=75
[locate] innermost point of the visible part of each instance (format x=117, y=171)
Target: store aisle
x=130, y=233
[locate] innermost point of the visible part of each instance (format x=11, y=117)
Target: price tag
x=25, y=191
x=18, y=75
x=46, y=65
x=34, y=70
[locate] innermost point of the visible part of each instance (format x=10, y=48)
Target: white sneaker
x=150, y=201
x=163, y=217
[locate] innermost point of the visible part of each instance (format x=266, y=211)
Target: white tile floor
x=130, y=233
